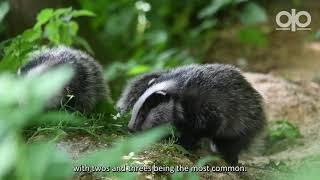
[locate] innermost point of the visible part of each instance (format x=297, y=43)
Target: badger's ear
x=134, y=89
x=163, y=88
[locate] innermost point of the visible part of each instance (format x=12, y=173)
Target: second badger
x=202, y=101
x=87, y=85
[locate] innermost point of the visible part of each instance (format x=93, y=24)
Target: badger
x=86, y=87
x=211, y=101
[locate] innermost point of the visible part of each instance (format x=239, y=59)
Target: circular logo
x=293, y=20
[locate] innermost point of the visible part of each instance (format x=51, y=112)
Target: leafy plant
x=252, y=13
x=282, y=129
x=22, y=106
x=281, y=134
x=19, y=107
x=135, y=37
x=253, y=36
x=53, y=27
x=4, y=9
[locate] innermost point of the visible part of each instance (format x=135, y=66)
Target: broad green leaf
x=73, y=28
x=62, y=11
x=47, y=162
x=48, y=84
x=282, y=129
x=27, y=96
x=8, y=150
x=138, y=69
x=59, y=118
x=253, y=36
x=82, y=42
x=214, y=7
x=77, y=13
x=52, y=32
x=253, y=14
x=32, y=35
x=4, y=9
x=43, y=17
x=66, y=36
x=9, y=64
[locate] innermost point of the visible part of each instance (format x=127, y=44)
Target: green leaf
x=82, y=42
x=4, y=9
x=43, y=17
x=32, y=35
x=281, y=129
x=66, y=36
x=253, y=14
x=253, y=36
x=214, y=7
x=51, y=82
x=138, y=69
x=9, y=63
x=46, y=162
x=29, y=94
x=52, y=32
x=73, y=28
x=77, y=13
x=62, y=11
x=59, y=118
x=8, y=150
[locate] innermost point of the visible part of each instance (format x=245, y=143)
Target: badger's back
x=87, y=85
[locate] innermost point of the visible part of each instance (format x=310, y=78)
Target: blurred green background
x=132, y=37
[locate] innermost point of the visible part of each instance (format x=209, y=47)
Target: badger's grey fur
x=87, y=86
x=202, y=101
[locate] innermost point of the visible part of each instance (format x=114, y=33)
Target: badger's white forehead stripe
x=37, y=70
x=166, y=85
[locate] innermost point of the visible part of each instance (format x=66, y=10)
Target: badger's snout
x=131, y=130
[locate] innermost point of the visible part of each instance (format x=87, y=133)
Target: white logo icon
x=293, y=20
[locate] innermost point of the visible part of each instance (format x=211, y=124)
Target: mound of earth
x=297, y=102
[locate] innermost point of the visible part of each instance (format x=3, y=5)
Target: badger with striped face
x=202, y=101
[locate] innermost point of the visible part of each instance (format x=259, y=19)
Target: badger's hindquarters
x=87, y=85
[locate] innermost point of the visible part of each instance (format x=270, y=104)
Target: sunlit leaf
x=82, y=42
x=32, y=35
x=214, y=7
x=62, y=11
x=52, y=31
x=78, y=13
x=282, y=129
x=253, y=36
x=4, y=9
x=46, y=162
x=252, y=14
x=139, y=69
x=43, y=17
x=8, y=150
